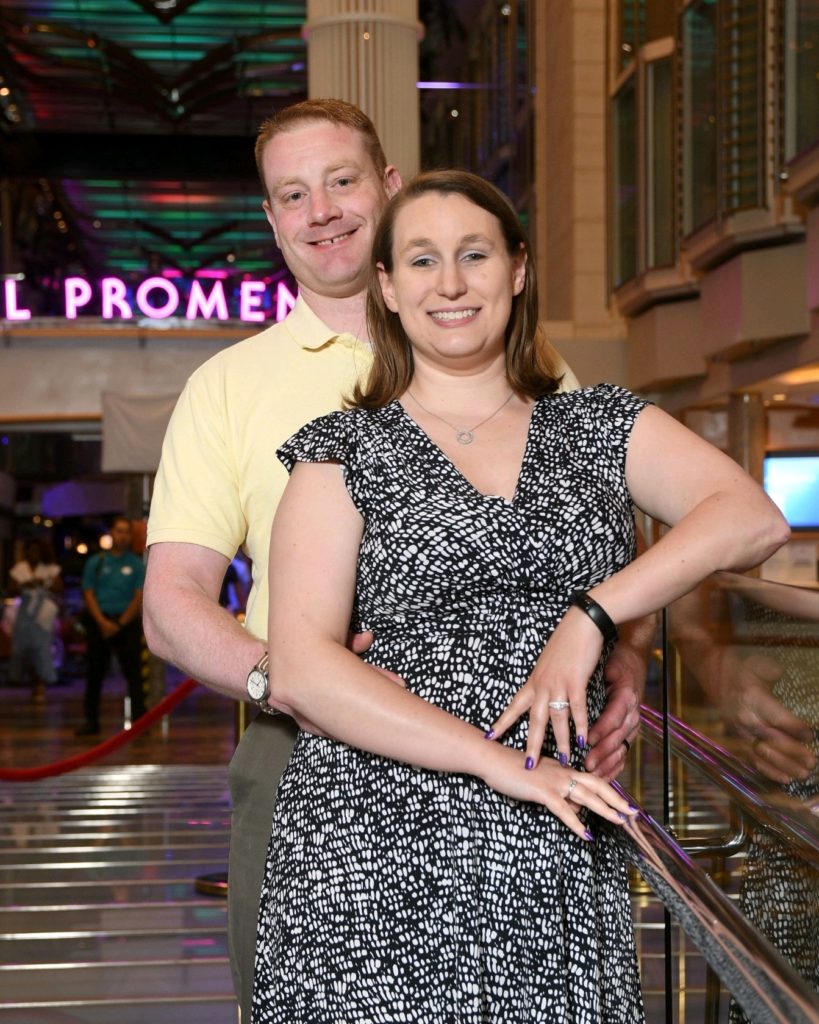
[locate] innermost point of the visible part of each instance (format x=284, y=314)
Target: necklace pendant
x=464, y=436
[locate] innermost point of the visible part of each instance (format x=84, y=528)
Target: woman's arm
x=313, y=555
x=720, y=519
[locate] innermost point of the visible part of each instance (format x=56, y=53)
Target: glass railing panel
x=743, y=692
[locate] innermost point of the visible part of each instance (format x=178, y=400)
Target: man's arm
x=107, y=626
x=185, y=624
x=133, y=609
x=625, y=676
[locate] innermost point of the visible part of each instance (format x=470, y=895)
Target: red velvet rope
x=102, y=749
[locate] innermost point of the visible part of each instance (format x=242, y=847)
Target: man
x=325, y=183
x=112, y=584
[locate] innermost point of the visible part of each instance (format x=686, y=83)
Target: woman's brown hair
x=529, y=368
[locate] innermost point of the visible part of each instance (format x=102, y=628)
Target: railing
x=739, y=735
x=761, y=980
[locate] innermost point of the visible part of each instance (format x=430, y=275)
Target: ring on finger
x=572, y=784
x=558, y=705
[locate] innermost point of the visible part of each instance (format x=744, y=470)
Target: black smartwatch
x=580, y=599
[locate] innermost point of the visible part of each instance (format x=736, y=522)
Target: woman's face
x=452, y=282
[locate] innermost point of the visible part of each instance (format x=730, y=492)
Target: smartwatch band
x=599, y=616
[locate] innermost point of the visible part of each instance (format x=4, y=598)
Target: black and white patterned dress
x=396, y=894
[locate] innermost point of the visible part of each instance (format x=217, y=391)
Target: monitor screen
x=791, y=479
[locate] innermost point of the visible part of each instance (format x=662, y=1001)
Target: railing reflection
x=744, y=681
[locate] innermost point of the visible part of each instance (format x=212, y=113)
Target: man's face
x=121, y=535
x=324, y=201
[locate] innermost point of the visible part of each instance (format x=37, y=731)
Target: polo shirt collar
x=308, y=331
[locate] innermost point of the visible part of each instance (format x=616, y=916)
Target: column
x=747, y=432
x=366, y=52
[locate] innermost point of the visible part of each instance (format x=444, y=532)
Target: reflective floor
x=101, y=919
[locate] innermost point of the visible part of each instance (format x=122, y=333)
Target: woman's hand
x=561, y=675
x=563, y=791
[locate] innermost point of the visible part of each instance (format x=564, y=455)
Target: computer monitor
x=791, y=479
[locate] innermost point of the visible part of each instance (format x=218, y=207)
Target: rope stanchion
x=101, y=750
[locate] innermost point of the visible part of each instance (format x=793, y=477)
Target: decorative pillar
x=366, y=52
x=747, y=432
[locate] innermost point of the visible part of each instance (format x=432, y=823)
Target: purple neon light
x=454, y=85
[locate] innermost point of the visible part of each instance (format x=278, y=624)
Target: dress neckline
x=440, y=455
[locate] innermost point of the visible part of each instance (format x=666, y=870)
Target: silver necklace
x=462, y=435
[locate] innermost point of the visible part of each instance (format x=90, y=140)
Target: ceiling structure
x=127, y=130
x=126, y=135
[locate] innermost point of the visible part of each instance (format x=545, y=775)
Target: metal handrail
x=789, y=819
x=761, y=980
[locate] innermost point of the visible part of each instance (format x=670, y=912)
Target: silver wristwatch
x=258, y=685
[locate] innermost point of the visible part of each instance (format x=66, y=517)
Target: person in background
x=36, y=579
x=112, y=584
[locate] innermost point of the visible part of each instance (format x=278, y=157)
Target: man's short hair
x=334, y=112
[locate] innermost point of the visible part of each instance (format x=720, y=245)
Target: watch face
x=256, y=685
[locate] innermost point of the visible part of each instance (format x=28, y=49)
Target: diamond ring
x=558, y=705
x=572, y=784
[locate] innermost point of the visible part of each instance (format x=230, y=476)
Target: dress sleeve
x=329, y=438
x=615, y=411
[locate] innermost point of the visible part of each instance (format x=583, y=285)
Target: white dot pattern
x=396, y=894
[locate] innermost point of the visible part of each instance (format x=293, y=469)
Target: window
x=801, y=42
x=741, y=83
x=624, y=184
x=660, y=233
x=699, y=42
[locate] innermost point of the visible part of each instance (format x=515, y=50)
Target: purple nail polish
x=587, y=835
x=530, y=763
x=581, y=742
x=489, y=734
x=564, y=760
x=631, y=807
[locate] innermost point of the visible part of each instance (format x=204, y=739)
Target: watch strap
x=599, y=616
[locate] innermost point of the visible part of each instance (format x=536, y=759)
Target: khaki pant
x=257, y=764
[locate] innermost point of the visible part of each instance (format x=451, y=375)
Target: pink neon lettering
x=250, y=298
x=201, y=305
x=285, y=301
x=157, y=312
x=77, y=293
x=113, y=296
x=13, y=311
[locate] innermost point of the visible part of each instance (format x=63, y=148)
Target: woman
x=444, y=858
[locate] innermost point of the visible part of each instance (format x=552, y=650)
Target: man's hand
x=109, y=628
x=776, y=741
x=361, y=642
x=625, y=677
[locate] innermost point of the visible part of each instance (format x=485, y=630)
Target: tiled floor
x=101, y=920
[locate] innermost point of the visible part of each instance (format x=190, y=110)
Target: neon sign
x=159, y=298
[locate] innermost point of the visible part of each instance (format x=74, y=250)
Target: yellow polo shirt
x=219, y=481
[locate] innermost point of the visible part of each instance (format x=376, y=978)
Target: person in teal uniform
x=112, y=583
